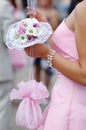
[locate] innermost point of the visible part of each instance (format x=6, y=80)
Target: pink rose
x=21, y=30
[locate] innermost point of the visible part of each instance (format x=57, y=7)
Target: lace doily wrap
x=27, y=32
x=29, y=113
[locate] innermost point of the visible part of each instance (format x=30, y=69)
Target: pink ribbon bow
x=29, y=113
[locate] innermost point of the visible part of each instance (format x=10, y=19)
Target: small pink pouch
x=29, y=113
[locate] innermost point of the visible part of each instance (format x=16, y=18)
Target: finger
x=30, y=15
x=27, y=50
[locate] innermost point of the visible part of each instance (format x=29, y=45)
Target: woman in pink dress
x=67, y=108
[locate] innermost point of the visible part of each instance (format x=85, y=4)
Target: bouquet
x=27, y=32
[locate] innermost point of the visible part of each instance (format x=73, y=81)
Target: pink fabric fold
x=29, y=113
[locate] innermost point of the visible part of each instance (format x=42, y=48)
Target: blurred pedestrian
x=6, y=75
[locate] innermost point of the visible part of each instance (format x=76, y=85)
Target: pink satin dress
x=67, y=109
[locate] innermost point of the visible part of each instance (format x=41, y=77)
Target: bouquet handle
x=31, y=70
x=33, y=5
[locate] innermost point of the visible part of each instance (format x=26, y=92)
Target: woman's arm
x=75, y=70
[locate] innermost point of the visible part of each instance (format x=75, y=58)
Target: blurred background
x=54, y=11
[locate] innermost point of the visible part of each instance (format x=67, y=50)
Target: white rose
x=30, y=30
x=22, y=39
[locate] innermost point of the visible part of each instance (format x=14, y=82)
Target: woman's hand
x=37, y=51
x=38, y=15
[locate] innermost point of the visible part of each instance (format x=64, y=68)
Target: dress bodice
x=64, y=42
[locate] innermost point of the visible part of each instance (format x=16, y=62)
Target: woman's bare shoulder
x=80, y=11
